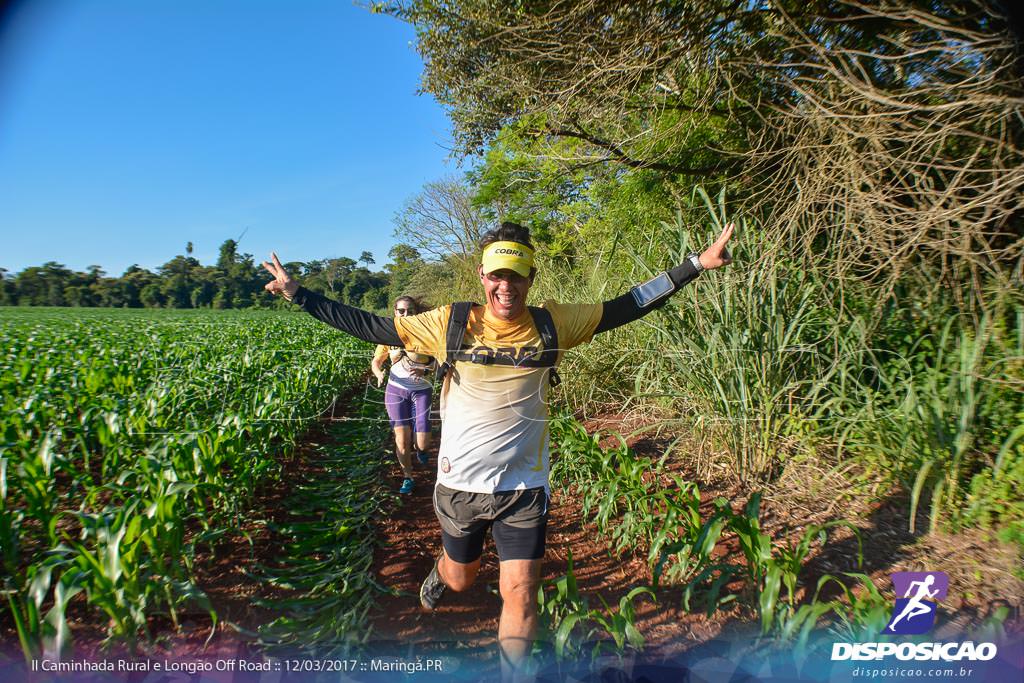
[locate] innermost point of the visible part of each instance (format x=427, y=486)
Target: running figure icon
x=915, y=610
x=915, y=606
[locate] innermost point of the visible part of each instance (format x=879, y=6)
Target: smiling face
x=505, y=291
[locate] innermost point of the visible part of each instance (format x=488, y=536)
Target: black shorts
x=517, y=519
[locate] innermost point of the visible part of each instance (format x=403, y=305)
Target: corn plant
x=560, y=609
x=681, y=543
x=623, y=494
x=694, y=539
x=773, y=570
x=132, y=428
x=328, y=550
x=39, y=634
x=865, y=613
x=569, y=623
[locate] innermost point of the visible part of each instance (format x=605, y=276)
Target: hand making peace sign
x=717, y=255
x=282, y=283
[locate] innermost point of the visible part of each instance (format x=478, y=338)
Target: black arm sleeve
x=357, y=322
x=624, y=310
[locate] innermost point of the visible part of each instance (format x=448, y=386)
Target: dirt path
x=978, y=567
x=468, y=621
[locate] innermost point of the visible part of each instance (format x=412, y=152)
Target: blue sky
x=128, y=128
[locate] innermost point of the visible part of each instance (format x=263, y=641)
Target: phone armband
x=653, y=291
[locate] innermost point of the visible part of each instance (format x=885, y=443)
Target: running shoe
x=406, y=486
x=422, y=457
x=432, y=589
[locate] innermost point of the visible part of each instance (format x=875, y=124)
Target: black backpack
x=459, y=316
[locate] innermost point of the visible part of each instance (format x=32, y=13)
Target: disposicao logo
x=915, y=611
x=917, y=596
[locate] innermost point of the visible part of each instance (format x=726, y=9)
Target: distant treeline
x=235, y=281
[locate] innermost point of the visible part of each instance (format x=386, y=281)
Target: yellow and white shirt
x=495, y=434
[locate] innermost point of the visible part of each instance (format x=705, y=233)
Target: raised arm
x=357, y=322
x=628, y=307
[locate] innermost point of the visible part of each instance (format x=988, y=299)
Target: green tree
x=8, y=289
x=336, y=274
x=228, y=254
x=405, y=260
x=151, y=296
x=177, y=281
x=43, y=285
x=204, y=286
x=236, y=281
x=133, y=282
x=375, y=299
x=246, y=282
x=830, y=120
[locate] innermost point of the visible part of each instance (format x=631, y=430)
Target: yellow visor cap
x=508, y=255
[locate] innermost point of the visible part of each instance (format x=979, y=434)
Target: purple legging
x=402, y=403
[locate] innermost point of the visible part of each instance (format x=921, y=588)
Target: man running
x=493, y=458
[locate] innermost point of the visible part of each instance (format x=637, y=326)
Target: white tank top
x=402, y=375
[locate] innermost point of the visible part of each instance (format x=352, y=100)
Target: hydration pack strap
x=459, y=316
x=457, y=319
x=549, y=337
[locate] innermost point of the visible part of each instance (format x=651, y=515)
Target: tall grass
x=769, y=356
x=945, y=411
x=746, y=350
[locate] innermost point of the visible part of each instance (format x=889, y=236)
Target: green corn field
x=129, y=438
